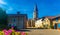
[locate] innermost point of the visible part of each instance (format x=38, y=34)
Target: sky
x=45, y=7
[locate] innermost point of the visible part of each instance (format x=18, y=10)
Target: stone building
x=52, y=21
x=47, y=21
x=56, y=22
x=38, y=23
x=18, y=20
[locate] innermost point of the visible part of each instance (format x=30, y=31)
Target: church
x=31, y=22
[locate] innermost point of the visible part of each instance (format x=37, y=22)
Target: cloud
x=10, y=8
x=2, y=2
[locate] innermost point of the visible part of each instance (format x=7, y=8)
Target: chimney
x=18, y=12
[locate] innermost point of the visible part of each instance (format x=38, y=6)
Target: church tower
x=35, y=13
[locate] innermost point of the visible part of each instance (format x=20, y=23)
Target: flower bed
x=12, y=32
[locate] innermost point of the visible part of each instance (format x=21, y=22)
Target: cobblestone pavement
x=43, y=32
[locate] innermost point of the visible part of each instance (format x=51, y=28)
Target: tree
x=3, y=19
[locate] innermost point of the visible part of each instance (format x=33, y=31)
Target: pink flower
x=23, y=33
x=9, y=30
x=6, y=32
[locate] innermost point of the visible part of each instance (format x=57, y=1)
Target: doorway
x=55, y=26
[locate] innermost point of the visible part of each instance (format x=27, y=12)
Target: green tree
x=3, y=19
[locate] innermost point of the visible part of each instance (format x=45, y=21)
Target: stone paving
x=43, y=32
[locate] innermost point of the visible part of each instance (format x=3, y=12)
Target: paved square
x=43, y=32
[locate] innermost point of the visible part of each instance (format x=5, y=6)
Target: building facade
x=38, y=23
x=56, y=22
x=18, y=20
x=47, y=21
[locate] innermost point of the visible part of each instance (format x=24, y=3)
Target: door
x=55, y=26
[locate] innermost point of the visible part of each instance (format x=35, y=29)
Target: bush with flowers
x=12, y=32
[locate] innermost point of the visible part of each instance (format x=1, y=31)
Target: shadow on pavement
x=24, y=30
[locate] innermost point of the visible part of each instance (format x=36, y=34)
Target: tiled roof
x=56, y=17
x=51, y=17
x=17, y=14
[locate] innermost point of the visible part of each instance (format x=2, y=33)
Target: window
x=9, y=25
x=13, y=20
x=13, y=24
x=56, y=20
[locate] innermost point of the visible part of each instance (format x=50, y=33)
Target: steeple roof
x=35, y=13
x=35, y=7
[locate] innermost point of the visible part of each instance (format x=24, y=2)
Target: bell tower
x=35, y=13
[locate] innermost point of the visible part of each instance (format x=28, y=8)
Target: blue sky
x=45, y=7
